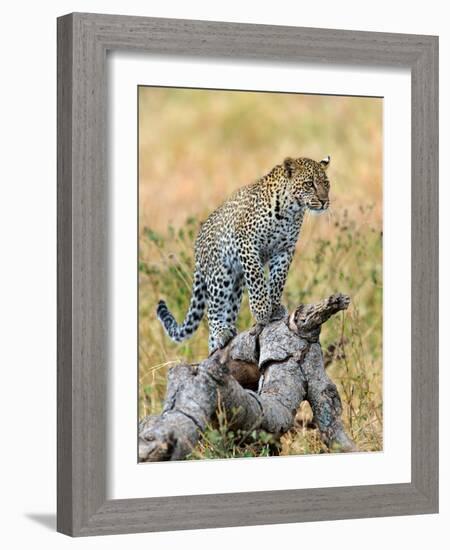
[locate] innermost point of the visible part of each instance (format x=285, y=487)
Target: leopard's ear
x=325, y=162
x=288, y=165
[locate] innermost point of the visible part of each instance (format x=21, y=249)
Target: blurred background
x=195, y=148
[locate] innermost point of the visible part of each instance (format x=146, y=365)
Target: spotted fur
x=259, y=225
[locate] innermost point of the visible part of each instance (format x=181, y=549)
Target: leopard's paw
x=279, y=312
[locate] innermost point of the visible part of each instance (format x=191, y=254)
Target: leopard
x=254, y=231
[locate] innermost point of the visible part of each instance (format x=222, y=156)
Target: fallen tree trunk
x=260, y=379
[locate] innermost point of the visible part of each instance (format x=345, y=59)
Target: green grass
x=219, y=441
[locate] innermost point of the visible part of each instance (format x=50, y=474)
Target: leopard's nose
x=324, y=203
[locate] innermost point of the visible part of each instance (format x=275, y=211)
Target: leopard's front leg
x=278, y=270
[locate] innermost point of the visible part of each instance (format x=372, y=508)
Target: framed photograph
x=247, y=274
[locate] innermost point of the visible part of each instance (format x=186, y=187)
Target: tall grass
x=195, y=148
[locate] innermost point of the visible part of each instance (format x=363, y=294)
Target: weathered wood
x=284, y=360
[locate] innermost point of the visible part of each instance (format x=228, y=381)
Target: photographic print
x=276, y=181
x=260, y=274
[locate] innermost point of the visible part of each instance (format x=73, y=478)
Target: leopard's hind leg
x=224, y=297
x=235, y=302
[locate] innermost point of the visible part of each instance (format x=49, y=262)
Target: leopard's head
x=309, y=182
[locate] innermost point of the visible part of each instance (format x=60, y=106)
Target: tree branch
x=260, y=379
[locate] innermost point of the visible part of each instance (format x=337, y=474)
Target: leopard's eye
x=308, y=183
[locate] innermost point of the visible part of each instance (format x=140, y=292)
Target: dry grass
x=196, y=147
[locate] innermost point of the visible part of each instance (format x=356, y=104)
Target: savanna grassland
x=195, y=148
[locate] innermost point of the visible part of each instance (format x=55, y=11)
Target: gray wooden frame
x=83, y=41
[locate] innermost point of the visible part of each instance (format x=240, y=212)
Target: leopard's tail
x=177, y=332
